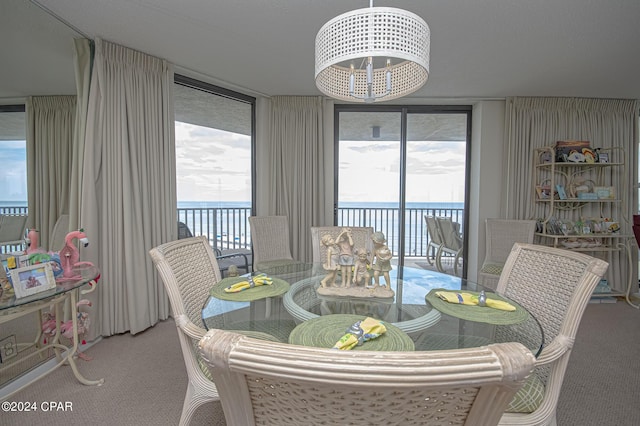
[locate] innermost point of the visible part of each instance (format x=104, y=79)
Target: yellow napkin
x=251, y=282
x=360, y=332
x=472, y=299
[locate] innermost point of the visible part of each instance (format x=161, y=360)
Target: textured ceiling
x=480, y=49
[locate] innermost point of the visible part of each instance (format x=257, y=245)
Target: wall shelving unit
x=584, y=209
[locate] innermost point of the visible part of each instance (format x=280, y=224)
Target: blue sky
x=13, y=174
x=212, y=165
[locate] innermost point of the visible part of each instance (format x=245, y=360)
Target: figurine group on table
x=360, y=269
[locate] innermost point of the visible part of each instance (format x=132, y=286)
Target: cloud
x=212, y=164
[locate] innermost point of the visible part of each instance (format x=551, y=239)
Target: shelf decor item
x=543, y=191
x=561, y=192
x=566, y=150
x=605, y=192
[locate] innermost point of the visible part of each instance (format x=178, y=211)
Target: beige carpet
x=145, y=384
x=145, y=379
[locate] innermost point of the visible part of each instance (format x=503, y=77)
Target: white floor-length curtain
x=83, y=61
x=128, y=197
x=50, y=125
x=605, y=123
x=296, y=167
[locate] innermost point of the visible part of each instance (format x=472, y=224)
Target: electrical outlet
x=8, y=348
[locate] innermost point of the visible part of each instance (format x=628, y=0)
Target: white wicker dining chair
x=269, y=383
x=501, y=234
x=188, y=269
x=270, y=242
x=555, y=286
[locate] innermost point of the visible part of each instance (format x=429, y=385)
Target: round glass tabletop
x=431, y=324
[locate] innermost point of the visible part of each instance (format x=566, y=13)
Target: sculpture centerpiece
x=355, y=271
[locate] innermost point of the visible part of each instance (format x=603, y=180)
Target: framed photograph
x=544, y=192
x=32, y=279
x=561, y=192
x=603, y=157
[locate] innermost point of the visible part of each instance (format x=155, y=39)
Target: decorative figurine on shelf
x=344, y=240
x=589, y=155
x=361, y=274
x=70, y=257
x=381, y=261
x=331, y=264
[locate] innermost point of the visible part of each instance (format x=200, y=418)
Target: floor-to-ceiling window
x=13, y=163
x=214, y=161
x=396, y=164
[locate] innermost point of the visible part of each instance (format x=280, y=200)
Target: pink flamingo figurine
x=69, y=255
x=33, y=240
x=66, y=327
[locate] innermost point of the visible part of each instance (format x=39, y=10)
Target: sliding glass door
x=394, y=165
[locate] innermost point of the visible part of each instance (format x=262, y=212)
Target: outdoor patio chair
x=189, y=269
x=273, y=383
x=434, y=237
x=241, y=258
x=554, y=285
x=12, y=230
x=501, y=234
x=452, y=242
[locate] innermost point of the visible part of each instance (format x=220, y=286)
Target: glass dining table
x=291, y=310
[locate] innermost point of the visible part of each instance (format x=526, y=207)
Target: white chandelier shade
x=372, y=53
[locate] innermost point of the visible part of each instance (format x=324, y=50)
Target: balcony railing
x=386, y=220
x=228, y=228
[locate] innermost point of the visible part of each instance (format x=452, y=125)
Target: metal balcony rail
x=228, y=227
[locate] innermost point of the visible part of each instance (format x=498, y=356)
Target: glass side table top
x=87, y=274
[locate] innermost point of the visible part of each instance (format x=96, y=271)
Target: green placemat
x=478, y=313
x=260, y=292
x=325, y=331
